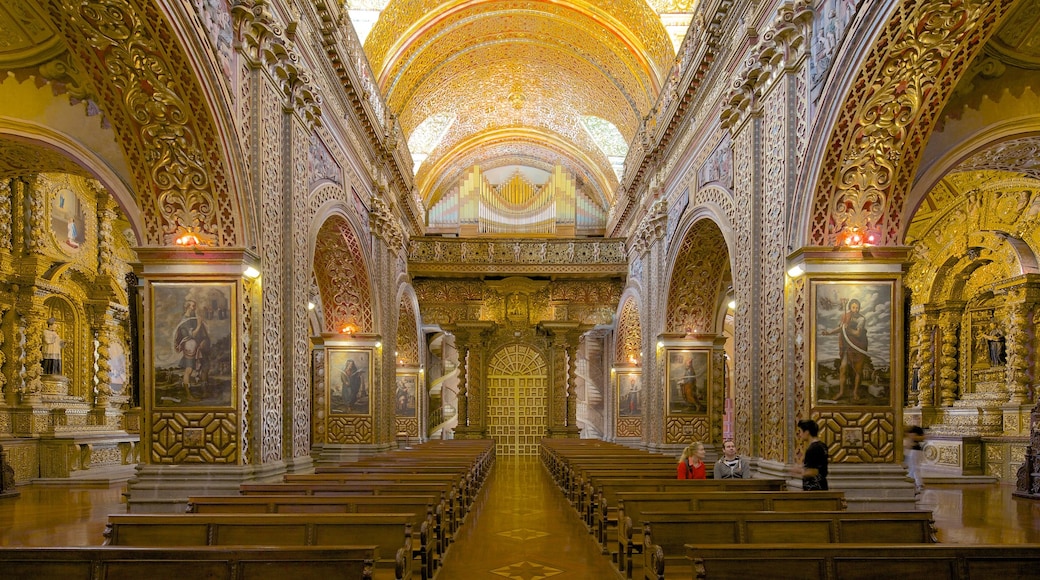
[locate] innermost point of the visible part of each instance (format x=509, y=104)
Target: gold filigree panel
x=409, y=425
x=194, y=438
x=629, y=343
x=29, y=36
x=349, y=429
x=342, y=275
x=901, y=88
x=629, y=427
x=859, y=437
x=407, y=335
x=701, y=268
x=684, y=430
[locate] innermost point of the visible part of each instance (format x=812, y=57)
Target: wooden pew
x=170, y=563
x=603, y=505
x=664, y=535
x=420, y=505
x=459, y=483
x=632, y=505
x=390, y=533
x=863, y=561
x=452, y=512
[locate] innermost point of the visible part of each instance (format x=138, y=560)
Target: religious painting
x=404, y=396
x=349, y=381
x=68, y=222
x=688, y=380
x=193, y=344
x=852, y=338
x=629, y=398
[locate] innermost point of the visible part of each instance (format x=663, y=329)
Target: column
x=949, y=351
x=470, y=340
x=564, y=347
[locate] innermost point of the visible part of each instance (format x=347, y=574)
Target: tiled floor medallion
x=523, y=534
x=526, y=571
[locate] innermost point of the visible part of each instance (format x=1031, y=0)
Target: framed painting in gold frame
x=629, y=398
x=349, y=381
x=852, y=337
x=193, y=342
x=688, y=375
x=405, y=395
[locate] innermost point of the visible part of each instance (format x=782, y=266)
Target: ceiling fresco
x=517, y=79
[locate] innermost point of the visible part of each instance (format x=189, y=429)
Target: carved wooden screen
x=518, y=400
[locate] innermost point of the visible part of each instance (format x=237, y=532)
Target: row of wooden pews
x=389, y=516
x=698, y=529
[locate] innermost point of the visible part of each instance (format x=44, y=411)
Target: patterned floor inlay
x=526, y=571
x=523, y=534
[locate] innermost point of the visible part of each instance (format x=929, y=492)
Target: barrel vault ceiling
x=520, y=85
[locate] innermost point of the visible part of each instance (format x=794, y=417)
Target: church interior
x=245, y=240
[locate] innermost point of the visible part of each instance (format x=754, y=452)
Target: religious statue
x=52, y=345
x=995, y=343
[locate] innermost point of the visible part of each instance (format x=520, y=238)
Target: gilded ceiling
x=516, y=79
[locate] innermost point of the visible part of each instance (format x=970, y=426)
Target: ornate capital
x=653, y=227
x=384, y=224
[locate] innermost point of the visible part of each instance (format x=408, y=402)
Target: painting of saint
x=404, y=396
x=687, y=382
x=852, y=340
x=349, y=382
x=192, y=343
x=629, y=401
x=67, y=220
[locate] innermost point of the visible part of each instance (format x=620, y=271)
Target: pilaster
x=853, y=334
x=199, y=371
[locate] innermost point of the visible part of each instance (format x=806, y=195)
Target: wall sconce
x=379, y=345
x=795, y=271
x=660, y=345
x=310, y=306
x=251, y=273
x=732, y=305
x=856, y=237
x=347, y=329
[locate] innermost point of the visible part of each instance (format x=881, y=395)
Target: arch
x=39, y=137
x=343, y=279
x=409, y=325
x=517, y=359
x=69, y=329
x=178, y=146
x=882, y=117
x=700, y=270
x=628, y=343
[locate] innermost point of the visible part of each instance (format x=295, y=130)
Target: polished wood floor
x=520, y=527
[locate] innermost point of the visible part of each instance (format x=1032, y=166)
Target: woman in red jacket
x=691, y=464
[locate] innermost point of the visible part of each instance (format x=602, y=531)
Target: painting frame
x=688, y=381
x=406, y=385
x=349, y=392
x=628, y=399
x=198, y=366
x=852, y=333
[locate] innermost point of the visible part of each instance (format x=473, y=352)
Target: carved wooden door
x=517, y=399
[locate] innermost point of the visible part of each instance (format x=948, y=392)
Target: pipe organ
x=518, y=207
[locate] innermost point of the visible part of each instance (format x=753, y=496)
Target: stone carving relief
x=342, y=275
x=700, y=271
x=871, y=159
x=146, y=87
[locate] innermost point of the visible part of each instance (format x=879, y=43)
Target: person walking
x=813, y=470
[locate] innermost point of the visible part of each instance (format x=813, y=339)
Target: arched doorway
x=518, y=399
